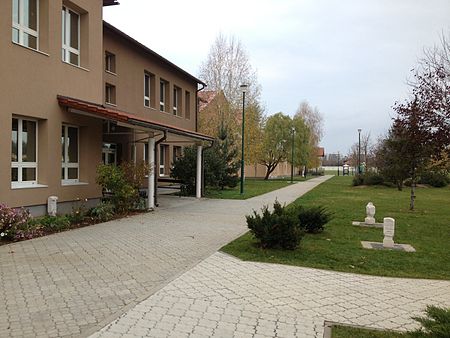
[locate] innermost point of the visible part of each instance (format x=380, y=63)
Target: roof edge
x=110, y=2
x=127, y=117
x=150, y=51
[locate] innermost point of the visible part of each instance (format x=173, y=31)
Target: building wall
x=131, y=63
x=30, y=83
x=282, y=170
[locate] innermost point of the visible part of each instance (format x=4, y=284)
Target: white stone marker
x=388, y=231
x=370, y=212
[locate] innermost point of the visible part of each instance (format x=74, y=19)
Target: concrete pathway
x=225, y=297
x=76, y=282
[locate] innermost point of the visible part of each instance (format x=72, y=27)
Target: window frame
x=23, y=165
x=176, y=101
x=64, y=162
x=111, y=89
x=147, y=96
x=175, y=150
x=110, y=67
x=162, y=154
x=187, y=105
x=162, y=94
x=24, y=29
x=66, y=32
x=107, y=149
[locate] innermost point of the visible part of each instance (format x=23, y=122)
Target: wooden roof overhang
x=130, y=120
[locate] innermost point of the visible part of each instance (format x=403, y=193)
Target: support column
x=198, y=181
x=151, y=175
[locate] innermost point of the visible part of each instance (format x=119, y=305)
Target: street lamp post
x=292, y=159
x=359, y=151
x=338, y=165
x=243, y=89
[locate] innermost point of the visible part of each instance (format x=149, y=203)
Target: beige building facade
x=77, y=92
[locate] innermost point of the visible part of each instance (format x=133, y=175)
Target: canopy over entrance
x=154, y=133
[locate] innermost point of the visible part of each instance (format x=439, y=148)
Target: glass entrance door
x=109, y=153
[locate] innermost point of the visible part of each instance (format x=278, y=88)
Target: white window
x=146, y=89
x=70, y=36
x=110, y=93
x=23, y=153
x=69, y=150
x=110, y=62
x=162, y=95
x=176, y=100
x=162, y=159
x=25, y=22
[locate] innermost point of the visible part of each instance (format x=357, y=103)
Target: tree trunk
x=413, y=188
x=270, y=169
x=413, y=195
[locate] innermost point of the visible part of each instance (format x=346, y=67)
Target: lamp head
x=359, y=130
x=244, y=88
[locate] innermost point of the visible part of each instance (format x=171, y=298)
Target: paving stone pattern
x=225, y=297
x=75, y=282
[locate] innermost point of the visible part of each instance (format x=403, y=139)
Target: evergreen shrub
x=276, y=229
x=313, y=219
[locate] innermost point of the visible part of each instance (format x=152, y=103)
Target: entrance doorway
x=109, y=153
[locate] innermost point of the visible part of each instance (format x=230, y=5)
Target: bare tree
x=314, y=121
x=366, y=151
x=227, y=67
x=424, y=118
x=437, y=57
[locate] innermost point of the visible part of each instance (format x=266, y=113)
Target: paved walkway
x=225, y=297
x=76, y=282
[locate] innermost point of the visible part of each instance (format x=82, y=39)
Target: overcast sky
x=350, y=58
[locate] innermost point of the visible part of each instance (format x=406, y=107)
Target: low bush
x=276, y=229
x=102, y=212
x=358, y=180
x=52, y=223
x=121, y=184
x=434, y=178
x=312, y=220
x=371, y=178
x=12, y=220
x=436, y=323
x=78, y=212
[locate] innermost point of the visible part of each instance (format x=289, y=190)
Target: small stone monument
x=388, y=240
x=369, y=221
x=388, y=232
x=370, y=213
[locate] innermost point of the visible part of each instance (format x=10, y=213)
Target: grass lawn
x=427, y=229
x=351, y=332
x=253, y=187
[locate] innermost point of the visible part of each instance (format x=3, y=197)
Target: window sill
x=75, y=66
x=149, y=108
x=65, y=184
x=111, y=104
x=110, y=72
x=30, y=186
x=29, y=48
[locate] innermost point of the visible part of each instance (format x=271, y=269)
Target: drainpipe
x=203, y=167
x=155, y=168
x=196, y=105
